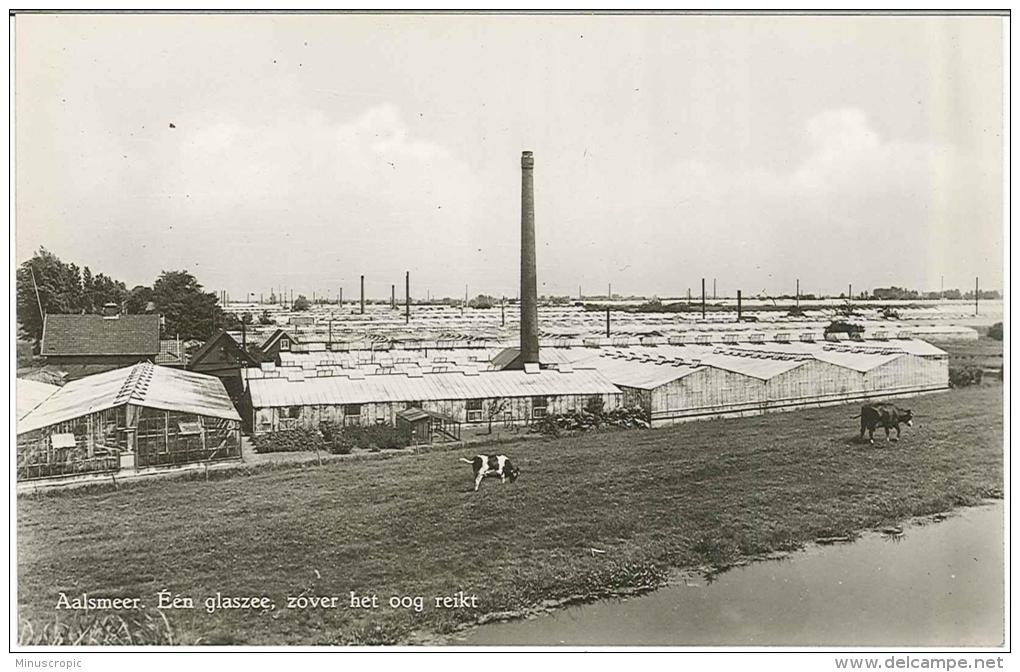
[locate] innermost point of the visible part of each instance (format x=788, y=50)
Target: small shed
x=428, y=426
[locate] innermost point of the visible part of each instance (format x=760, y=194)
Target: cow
x=888, y=416
x=495, y=466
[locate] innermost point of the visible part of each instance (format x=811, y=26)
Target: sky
x=301, y=151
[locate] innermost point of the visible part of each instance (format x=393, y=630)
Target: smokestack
x=393, y=297
x=407, y=297
x=738, y=305
x=529, y=279
x=702, y=298
x=607, y=323
x=362, y=295
x=798, y=292
x=977, y=292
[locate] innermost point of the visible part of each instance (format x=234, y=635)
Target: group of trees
x=903, y=294
x=46, y=284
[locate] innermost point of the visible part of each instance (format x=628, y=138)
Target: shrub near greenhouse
x=594, y=416
x=963, y=376
x=341, y=440
x=289, y=440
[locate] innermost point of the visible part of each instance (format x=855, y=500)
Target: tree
x=300, y=303
x=495, y=409
x=188, y=310
x=265, y=319
x=482, y=301
x=62, y=288
x=138, y=299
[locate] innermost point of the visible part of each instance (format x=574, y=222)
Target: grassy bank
x=700, y=493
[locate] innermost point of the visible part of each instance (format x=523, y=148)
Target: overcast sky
x=307, y=150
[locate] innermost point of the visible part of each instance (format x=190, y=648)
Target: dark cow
x=887, y=416
x=496, y=466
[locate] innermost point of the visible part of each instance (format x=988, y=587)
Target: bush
x=582, y=421
x=843, y=327
x=963, y=376
x=341, y=440
x=289, y=440
x=995, y=331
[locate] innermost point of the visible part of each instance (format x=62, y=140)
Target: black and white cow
x=887, y=416
x=494, y=466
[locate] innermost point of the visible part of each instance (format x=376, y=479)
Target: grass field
x=695, y=494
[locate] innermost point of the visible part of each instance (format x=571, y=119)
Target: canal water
x=938, y=584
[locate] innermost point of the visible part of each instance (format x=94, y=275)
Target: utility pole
x=502, y=312
x=38, y=301
x=976, y=294
x=362, y=295
x=607, y=323
x=713, y=289
x=798, y=293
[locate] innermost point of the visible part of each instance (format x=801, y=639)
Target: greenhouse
x=136, y=417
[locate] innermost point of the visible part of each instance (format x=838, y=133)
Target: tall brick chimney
x=529, y=279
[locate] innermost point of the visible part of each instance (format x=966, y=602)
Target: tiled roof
x=98, y=335
x=221, y=337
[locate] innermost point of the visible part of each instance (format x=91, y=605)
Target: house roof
x=508, y=356
x=221, y=338
x=271, y=340
x=143, y=384
x=332, y=390
x=65, y=335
